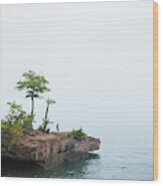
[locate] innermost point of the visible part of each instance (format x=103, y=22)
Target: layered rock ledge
x=48, y=150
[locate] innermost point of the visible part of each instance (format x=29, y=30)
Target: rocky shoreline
x=48, y=150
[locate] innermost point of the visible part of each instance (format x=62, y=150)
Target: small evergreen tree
x=46, y=120
x=34, y=85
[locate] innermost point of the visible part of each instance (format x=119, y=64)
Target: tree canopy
x=34, y=85
x=33, y=82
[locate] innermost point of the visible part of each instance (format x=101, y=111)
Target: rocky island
x=21, y=142
x=48, y=150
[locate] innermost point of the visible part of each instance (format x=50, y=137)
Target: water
x=100, y=68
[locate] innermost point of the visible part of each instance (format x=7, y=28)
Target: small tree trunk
x=46, y=112
x=46, y=118
x=32, y=106
x=32, y=109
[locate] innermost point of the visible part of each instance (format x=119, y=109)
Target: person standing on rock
x=57, y=127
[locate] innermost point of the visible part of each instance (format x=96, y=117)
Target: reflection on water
x=70, y=170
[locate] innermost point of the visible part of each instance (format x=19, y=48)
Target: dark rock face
x=48, y=150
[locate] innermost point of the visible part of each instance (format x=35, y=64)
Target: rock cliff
x=48, y=150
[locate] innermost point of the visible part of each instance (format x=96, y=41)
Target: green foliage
x=16, y=122
x=76, y=134
x=50, y=101
x=44, y=125
x=33, y=82
x=34, y=85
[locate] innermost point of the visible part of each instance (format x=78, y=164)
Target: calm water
x=99, y=65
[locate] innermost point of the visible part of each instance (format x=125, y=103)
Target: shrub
x=16, y=122
x=76, y=134
x=44, y=125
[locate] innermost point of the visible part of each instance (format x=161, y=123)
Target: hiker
x=57, y=127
